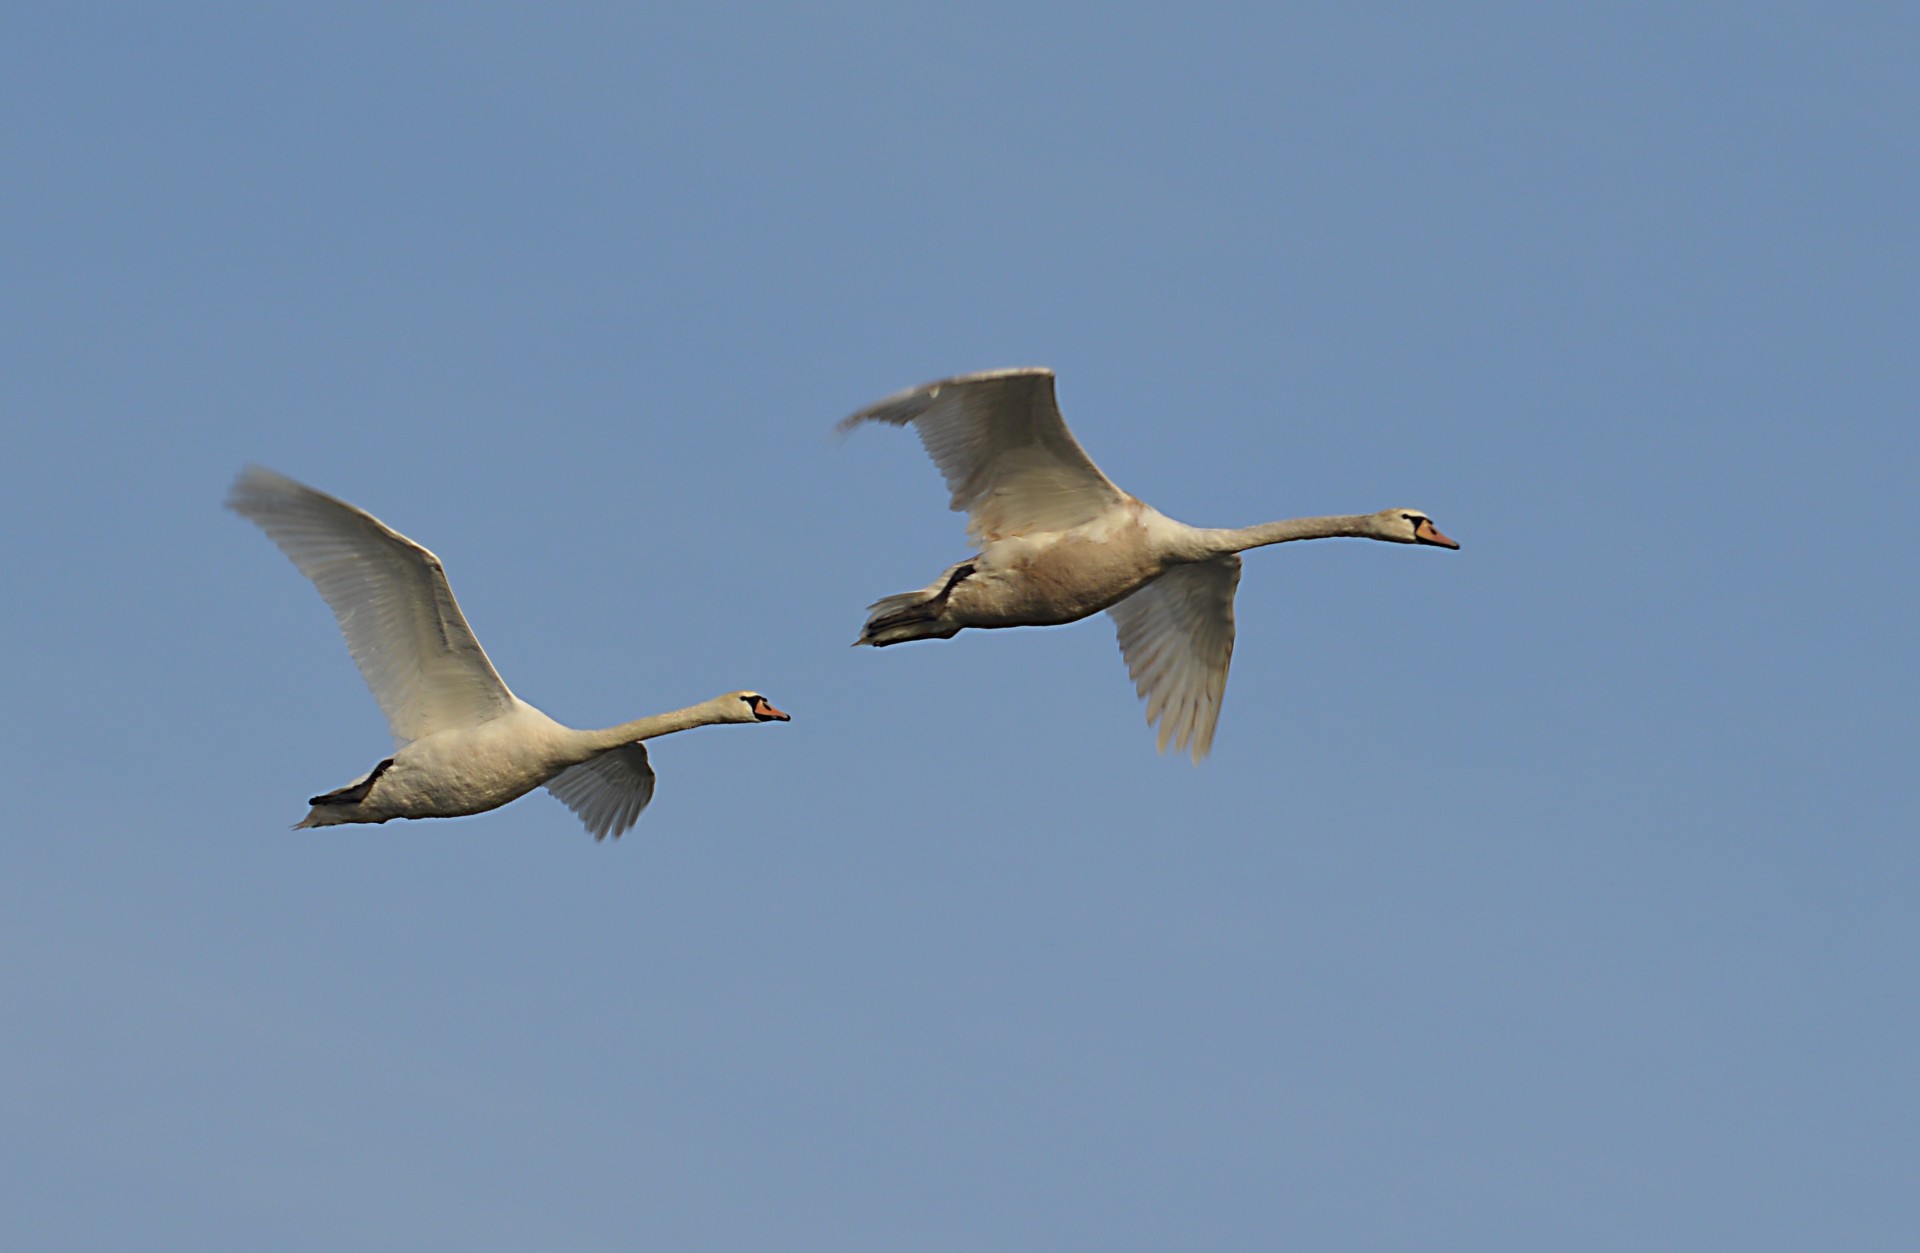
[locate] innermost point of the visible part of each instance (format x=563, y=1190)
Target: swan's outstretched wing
x=1007, y=456
x=609, y=791
x=1177, y=636
x=390, y=595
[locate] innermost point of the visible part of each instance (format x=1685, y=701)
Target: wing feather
x=609, y=791
x=391, y=598
x=1006, y=453
x=1176, y=634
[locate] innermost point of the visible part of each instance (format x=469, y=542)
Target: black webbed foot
x=355, y=794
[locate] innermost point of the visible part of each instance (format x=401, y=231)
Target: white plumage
x=463, y=742
x=1058, y=541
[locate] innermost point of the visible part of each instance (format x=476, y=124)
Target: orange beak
x=762, y=709
x=1428, y=533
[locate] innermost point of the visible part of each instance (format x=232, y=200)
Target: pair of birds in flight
x=1058, y=542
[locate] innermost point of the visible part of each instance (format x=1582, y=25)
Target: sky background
x=1555, y=893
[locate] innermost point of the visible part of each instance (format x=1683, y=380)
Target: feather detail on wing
x=1007, y=456
x=391, y=598
x=609, y=791
x=1176, y=634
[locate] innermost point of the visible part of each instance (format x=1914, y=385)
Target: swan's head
x=1409, y=526
x=749, y=707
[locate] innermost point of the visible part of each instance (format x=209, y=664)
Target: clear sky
x=1555, y=893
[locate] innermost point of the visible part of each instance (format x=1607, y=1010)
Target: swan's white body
x=464, y=743
x=1058, y=541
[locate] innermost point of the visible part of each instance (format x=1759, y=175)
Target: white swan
x=1058, y=541
x=464, y=743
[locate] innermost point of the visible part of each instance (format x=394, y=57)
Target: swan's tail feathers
x=339, y=815
x=920, y=615
x=908, y=616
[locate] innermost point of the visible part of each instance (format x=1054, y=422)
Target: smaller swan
x=464, y=744
x=1058, y=542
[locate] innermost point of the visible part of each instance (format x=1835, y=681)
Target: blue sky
x=1556, y=893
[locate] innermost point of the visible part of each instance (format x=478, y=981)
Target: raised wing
x=390, y=595
x=1176, y=634
x=609, y=791
x=1007, y=456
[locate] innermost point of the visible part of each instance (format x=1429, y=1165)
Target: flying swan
x=463, y=743
x=1058, y=542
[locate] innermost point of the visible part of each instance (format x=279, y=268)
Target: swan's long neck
x=1219, y=541
x=705, y=714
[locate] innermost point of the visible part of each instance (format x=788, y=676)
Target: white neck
x=1218, y=541
x=706, y=714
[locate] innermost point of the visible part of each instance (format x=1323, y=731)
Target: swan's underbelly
x=458, y=773
x=1061, y=582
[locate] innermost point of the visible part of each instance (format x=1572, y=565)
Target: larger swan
x=464, y=743
x=1058, y=542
